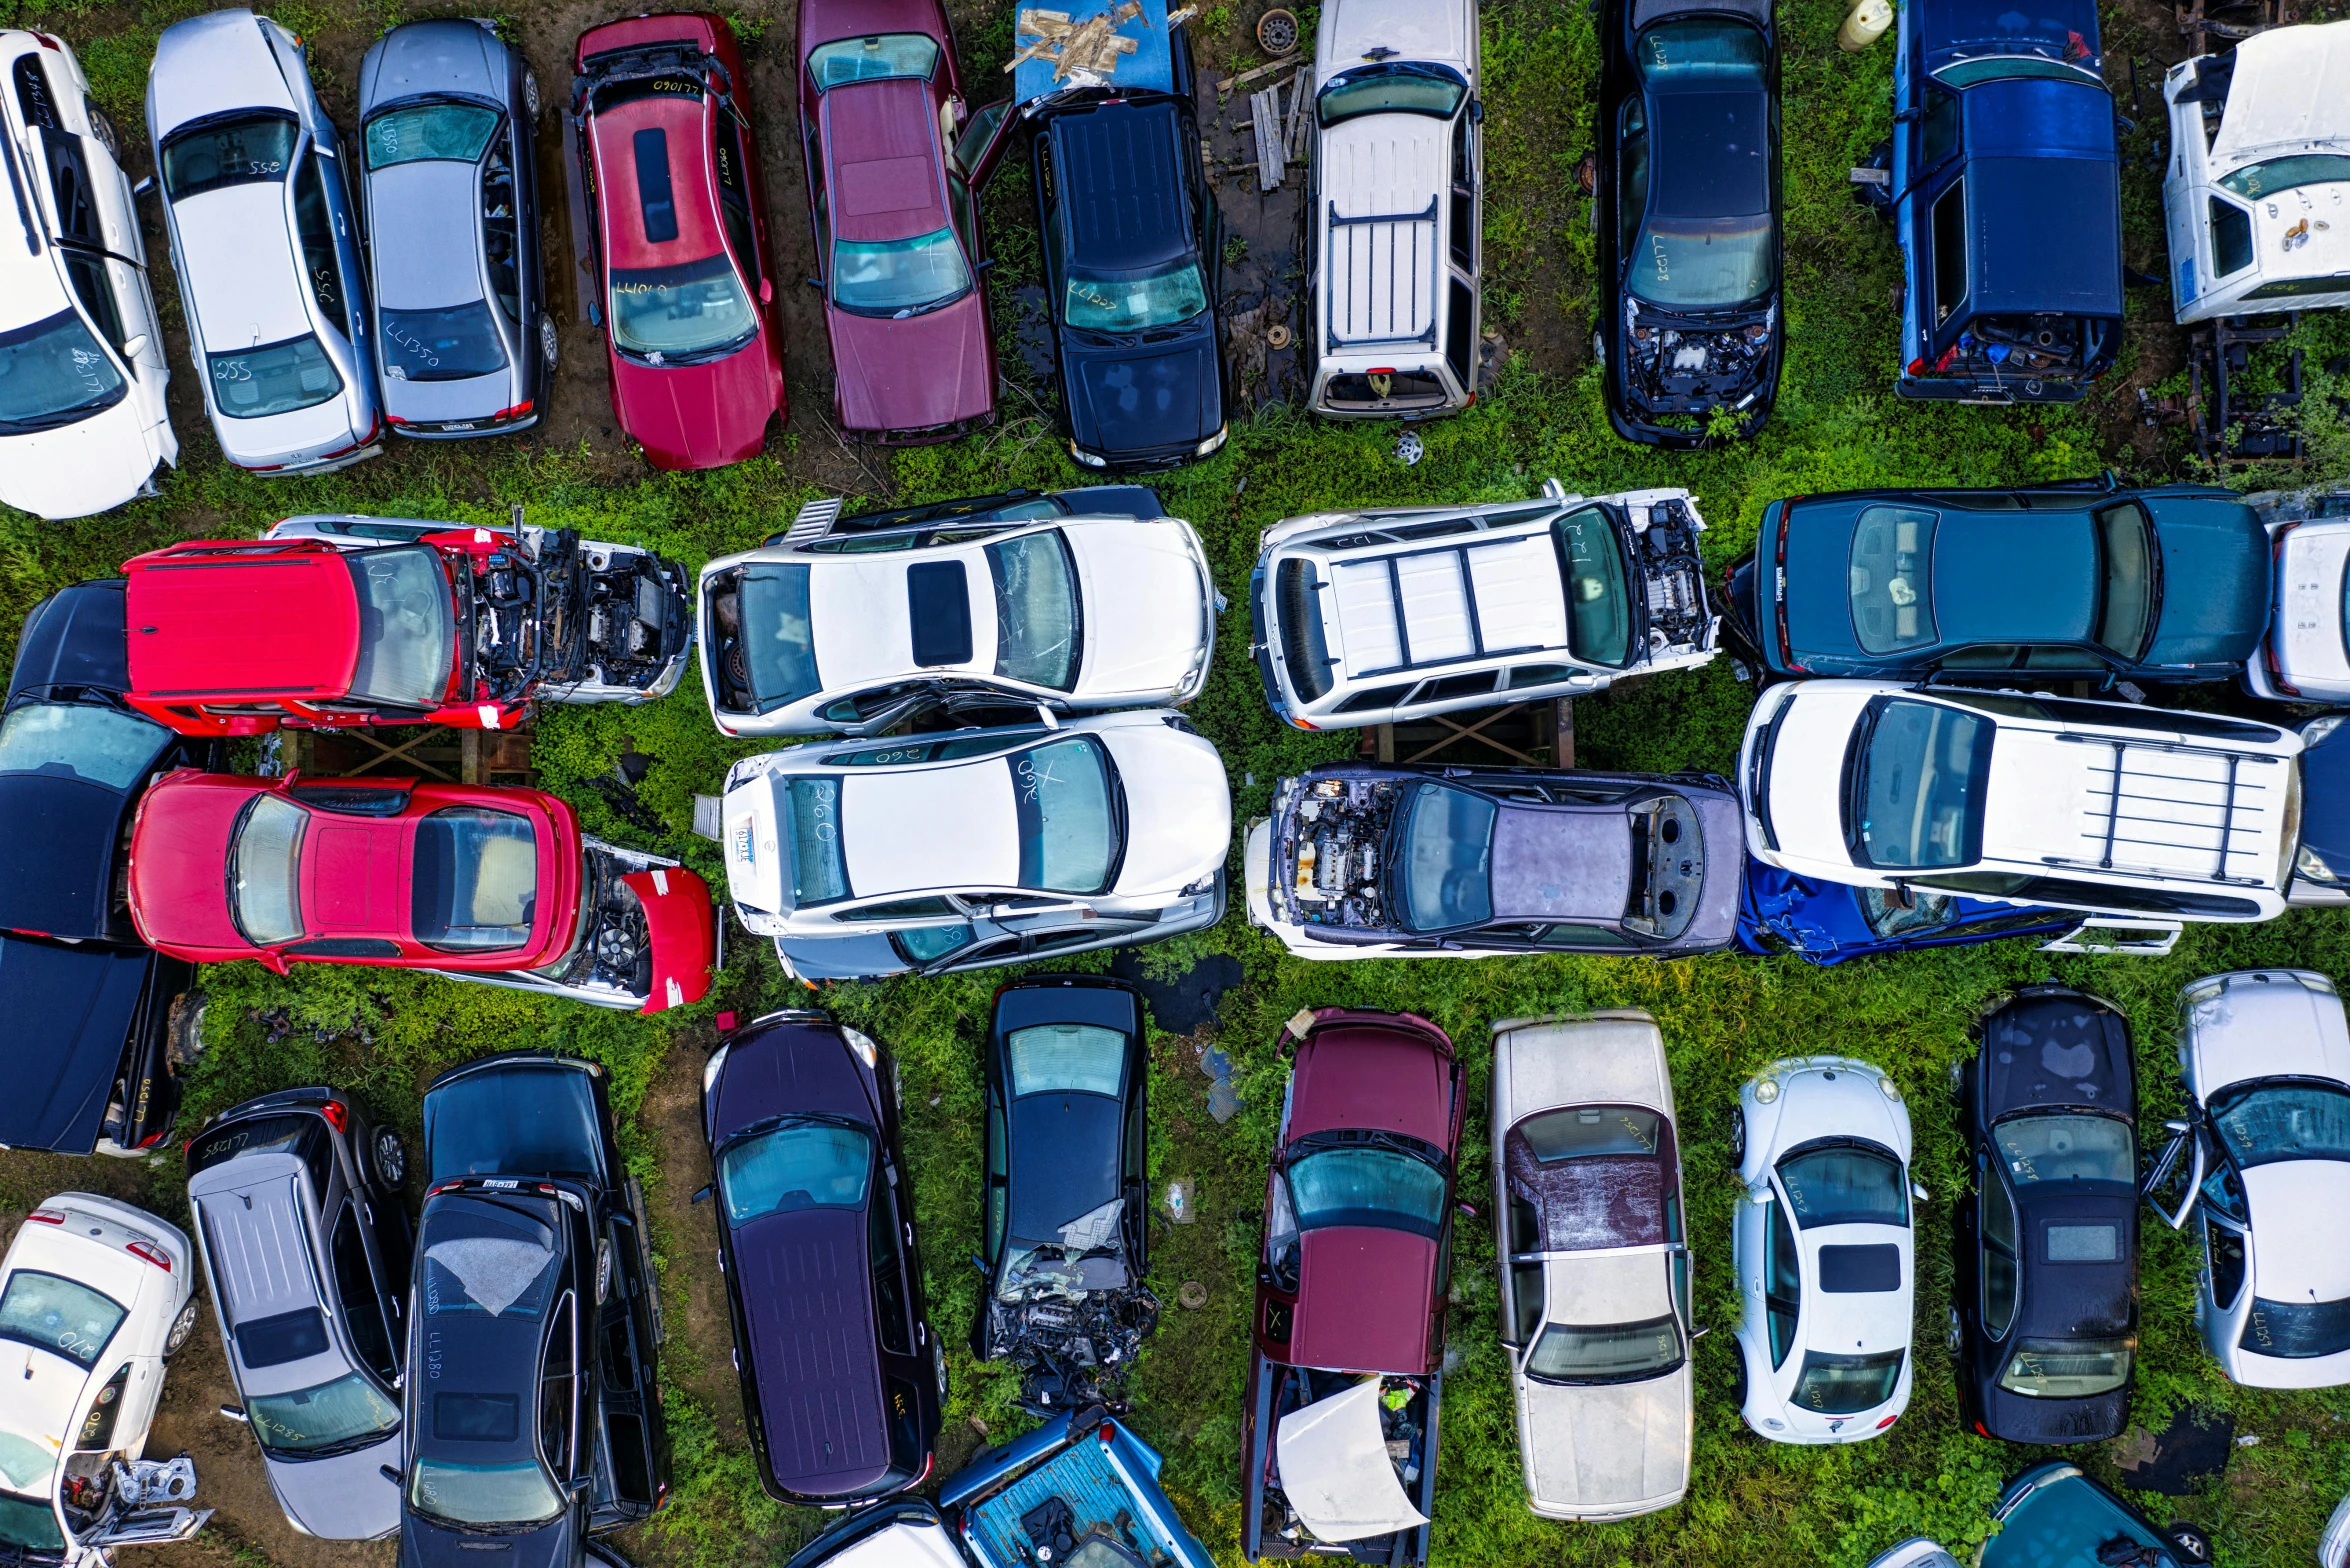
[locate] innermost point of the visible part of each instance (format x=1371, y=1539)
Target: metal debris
x=1191, y=1295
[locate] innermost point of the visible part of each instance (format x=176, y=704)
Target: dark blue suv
x=2005, y=189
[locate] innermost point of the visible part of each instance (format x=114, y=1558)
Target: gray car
x=306, y=1241
x=449, y=182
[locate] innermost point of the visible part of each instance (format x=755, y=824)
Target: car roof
x=881, y=148
x=1711, y=149
x=861, y=619
x=1569, y=863
x=2296, y=1208
x=1363, y=1299
x=1604, y=1200
x=809, y=1343
x=2042, y=204
x=684, y=126
x=427, y=236
x=2264, y=1024
x=236, y=249
x=1976, y=594
x=952, y=825
x=1123, y=198
x=269, y=622
x=495, y=1248
x=1441, y=601
x=259, y=1250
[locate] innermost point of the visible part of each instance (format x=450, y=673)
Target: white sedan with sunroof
x=1112, y=816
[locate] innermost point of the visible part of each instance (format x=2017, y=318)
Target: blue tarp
x=1151, y=67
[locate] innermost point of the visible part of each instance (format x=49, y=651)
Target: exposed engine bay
x=1071, y=1314
x=612, y=952
x=1406, y=1420
x=573, y=621
x=1673, y=367
x=1330, y=839
x=1672, y=575
x=2026, y=350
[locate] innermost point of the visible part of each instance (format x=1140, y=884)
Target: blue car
x=2053, y=1516
x=1827, y=923
x=2005, y=190
x=1081, y=1491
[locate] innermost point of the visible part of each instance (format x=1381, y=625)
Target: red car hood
x=1370, y=1075
x=701, y=416
x=1363, y=1299
x=926, y=370
x=179, y=859
x=683, y=926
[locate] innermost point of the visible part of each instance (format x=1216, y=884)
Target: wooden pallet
x=425, y=751
x=1537, y=734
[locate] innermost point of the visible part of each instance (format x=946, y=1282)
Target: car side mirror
x=1918, y=1191
x=388, y=1473
x=234, y=1414
x=273, y=960
x=1697, y=1334
x=135, y=347
x=1476, y=111
x=987, y=265
x=979, y=1263
x=1760, y=1193
x=766, y=291
x=2174, y=1127
x=703, y=1195
x=145, y=187
x=814, y=283
x=1045, y=714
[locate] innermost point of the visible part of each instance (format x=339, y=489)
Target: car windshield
x=237, y=151
x=1135, y=304
x=899, y=278
x=442, y=345
x=876, y=59
x=476, y=879
x=26, y=1522
x=80, y=741
x=819, y=867
x=1397, y=87
x=778, y=639
x=1069, y=815
x=1065, y=1059
x=2066, y=1148
x=816, y=1165
x=1844, y=1184
x=265, y=871
x=58, y=1314
x=1036, y=610
x=1890, y=578
x=2272, y=175
x=2265, y=1123
x=1989, y=68
x=407, y=626
x=2067, y=1368
x=1381, y=1188
x=1704, y=49
x=54, y=373
x=254, y=383
x=1447, y=844
x=690, y=310
x=1701, y=263
x=1917, y=790
x=416, y=133
x=1579, y=1132
x=1612, y=1353
x=2296, y=1330
x=1591, y=568
x=1846, y=1385
x=346, y=1413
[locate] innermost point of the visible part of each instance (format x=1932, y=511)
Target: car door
x=979, y=148
x=745, y=236
x=373, y=1334
x=1998, y=1251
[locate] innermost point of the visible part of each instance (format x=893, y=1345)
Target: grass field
x=1837, y=426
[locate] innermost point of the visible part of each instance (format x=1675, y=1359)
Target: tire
x=550, y=346
x=530, y=92
x=1738, y=1377
x=1955, y=1335
x=103, y=128
x=1738, y=1135
x=938, y=1361
x=390, y=1158
x=183, y=1328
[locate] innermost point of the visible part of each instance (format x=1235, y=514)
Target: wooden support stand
x=1524, y=734
x=425, y=751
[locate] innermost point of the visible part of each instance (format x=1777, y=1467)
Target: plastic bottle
x=1865, y=25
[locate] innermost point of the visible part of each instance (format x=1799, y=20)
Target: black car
x=2044, y=1311
x=842, y=1379
x=532, y=1415
x=92, y=1011
x=1067, y=1155
x=1689, y=218
x=1133, y=255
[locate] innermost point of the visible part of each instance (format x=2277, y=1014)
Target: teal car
x=2055, y=1517
x=2080, y=580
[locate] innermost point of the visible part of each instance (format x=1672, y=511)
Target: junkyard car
x=1688, y=219
x=855, y=631
x=2259, y=162
x=446, y=117
x=1823, y=1250
x=2006, y=195
x=1123, y=816
x=982, y=938
x=2321, y=865
x=1827, y=923
x=306, y=1243
x=2044, y=1312
x=842, y=1379
x=82, y=417
x=684, y=274
x=1595, y=1290
x=1346, y=1364
x=536, y=1418
x=2265, y=1152
x=898, y=251
x=2166, y=585
x=1369, y=860
x=2052, y=1516
x=95, y=1298
x=1067, y=1152
x=468, y=881
x=1377, y=617
x=93, y=1011
x=1396, y=210
x=321, y=625
x=2099, y=806
x=2305, y=656
x=265, y=240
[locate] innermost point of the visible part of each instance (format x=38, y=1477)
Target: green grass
x=1837, y=425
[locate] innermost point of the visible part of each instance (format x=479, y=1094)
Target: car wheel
x=2192, y=1544
x=603, y=1271
x=530, y=92
x=1955, y=1334
x=1738, y=1376
x=182, y=1328
x=391, y=1158
x=938, y=1362
x=103, y=128
x=550, y=347
x=1738, y=1135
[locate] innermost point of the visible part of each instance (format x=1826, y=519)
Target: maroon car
x=1358, y=1246
x=896, y=215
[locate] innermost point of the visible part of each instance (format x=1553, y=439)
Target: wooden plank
x=1386, y=733
x=1301, y=118
x=1265, y=109
x=1267, y=69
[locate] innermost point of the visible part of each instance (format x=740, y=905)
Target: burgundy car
x=679, y=226
x=896, y=215
x=1351, y=1284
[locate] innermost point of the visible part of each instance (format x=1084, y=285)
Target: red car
x=882, y=118
x=469, y=881
x=670, y=162
x=1352, y=1282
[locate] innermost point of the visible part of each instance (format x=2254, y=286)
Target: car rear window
x=452, y=132
x=442, y=345
x=1447, y=858
x=475, y=880
x=2066, y=1148
x=1889, y=577
x=1582, y=1131
x=2068, y=1368
x=288, y=1336
x=877, y=59
x=819, y=864
x=694, y=308
x=778, y=639
x=1916, y=785
x=281, y=378
x=228, y=152
x=1591, y=569
x=1845, y=1185
x=785, y=1169
x=1613, y=1353
x=1066, y=1059
x=58, y=1314
x=1305, y=649
x=1846, y=1385
x=299, y=1133
x=2296, y=1330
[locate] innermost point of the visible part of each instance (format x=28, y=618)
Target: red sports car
x=670, y=160
x=466, y=880
x=882, y=118
x=1351, y=1293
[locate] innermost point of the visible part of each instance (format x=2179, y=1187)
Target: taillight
x=1303, y=724
x=1888, y=1421
x=1984, y=1430
x=516, y=412
x=46, y=1217
x=1105, y=1432
x=2268, y=646
x=1917, y=367
x=153, y=1138
x=395, y=421
x=335, y=1115
x=154, y=1255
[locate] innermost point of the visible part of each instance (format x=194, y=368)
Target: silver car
x=266, y=245
x=450, y=186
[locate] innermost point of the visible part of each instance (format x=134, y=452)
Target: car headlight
x=1087, y=458
x=712, y=1067
x=2308, y=865
x=862, y=1045
x=2318, y=729
x=1892, y=1089
x=1213, y=442
x=1766, y=1090
x=2203, y=991
x=1204, y=886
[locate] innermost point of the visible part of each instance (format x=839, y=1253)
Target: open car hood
x=1335, y=1470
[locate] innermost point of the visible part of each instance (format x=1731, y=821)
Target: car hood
x=179, y=859
x=2297, y=1208
x=93, y=465
x=347, y=1497
x=784, y=1068
x=1178, y=808
x=1609, y=1446
x=1382, y=1077
x=681, y=928
x=1412, y=29
x=70, y=1011
x=448, y=56
x=808, y=1334
x=2216, y=581
x=1363, y=1300
x=700, y=416
x=424, y=1544
x=1133, y=399
x=931, y=369
x=1141, y=591
x=2053, y=1050
x=1805, y=813
x=212, y=63
x=57, y=859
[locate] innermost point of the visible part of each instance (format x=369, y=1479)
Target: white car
x=1108, y=817
x=856, y=629
x=1398, y=208
x=2256, y=198
x=2266, y=1155
x=82, y=415
x=1823, y=1249
x=94, y=1297
x=265, y=239
x=1595, y=1283
x=2306, y=655
x=2104, y=807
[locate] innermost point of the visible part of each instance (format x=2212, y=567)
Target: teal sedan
x=2053, y=1516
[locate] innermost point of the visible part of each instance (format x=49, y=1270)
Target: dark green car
x=2082, y=580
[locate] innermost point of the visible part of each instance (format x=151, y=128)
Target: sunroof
x=652, y=185
x=938, y=602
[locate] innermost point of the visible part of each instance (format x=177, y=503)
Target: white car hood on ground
x=91, y=466
x=2297, y=1208
x=2278, y=1030
x=214, y=63
x=423, y=236
x=2290, y=93
x=1178, y=807
x=2308, y=624
x=1601, y=1061
x=1141, y=597
x=930, y=828
x=237, y=253
x=862, y=625
x=1806, y=762
x=1335, y=1470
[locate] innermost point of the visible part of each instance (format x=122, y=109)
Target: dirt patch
x=696, y=1359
